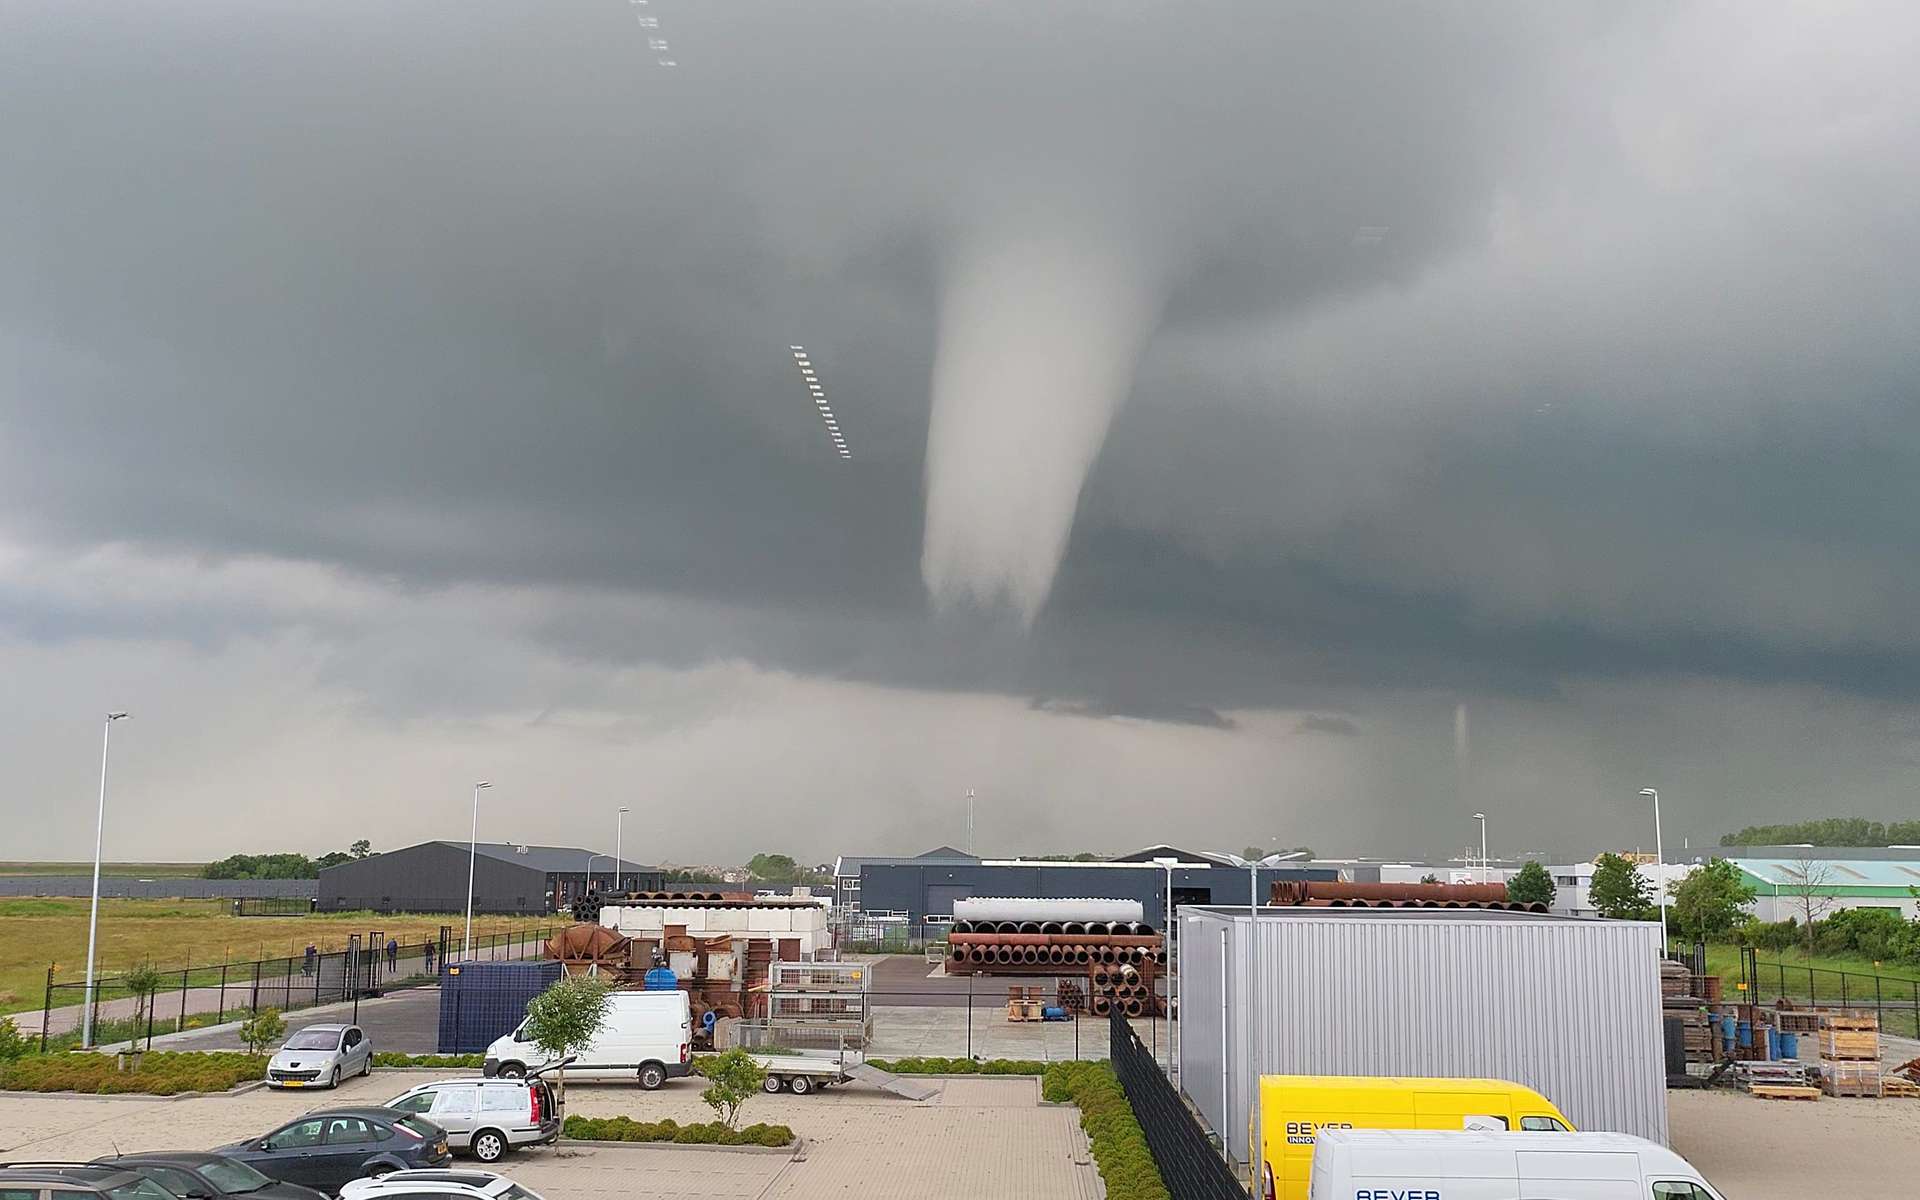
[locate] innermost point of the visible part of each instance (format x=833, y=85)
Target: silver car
x=486, y=1116
x=321, y=1056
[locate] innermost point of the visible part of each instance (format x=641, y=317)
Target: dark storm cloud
x=1479, y=348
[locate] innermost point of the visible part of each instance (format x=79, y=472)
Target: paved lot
x=1798, y=1150
x=978, y=1138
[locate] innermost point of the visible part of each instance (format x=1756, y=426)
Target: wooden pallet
x=1897, y=1087
x=1778, y=1091
x=1796, y=1022
x=1850, y=1045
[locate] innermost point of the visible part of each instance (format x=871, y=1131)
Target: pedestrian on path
x=429, y=957
x=311, y=961
x=393, y=954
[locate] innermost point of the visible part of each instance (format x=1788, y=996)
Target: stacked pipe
x=1321, y=893
x=1129, y=988
x=1019, y=936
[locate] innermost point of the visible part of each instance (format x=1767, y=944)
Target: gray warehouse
x=924, y=888
x=1567, y=1006
x=507, y=878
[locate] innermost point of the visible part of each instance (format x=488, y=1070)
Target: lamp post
x=93, y=914
x=1659, y=860
x=589, y=885
x=1255, y=1155
x=619, y=864
x=473, y=852
x=1166, y=945
x=1482, y=818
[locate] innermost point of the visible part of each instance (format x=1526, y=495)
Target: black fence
x=1896, y=1001
x=274, y=906
x=129, y=1008
x=1189, y=1165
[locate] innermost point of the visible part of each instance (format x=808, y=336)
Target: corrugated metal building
x=1567, y=1006
x=507, y=878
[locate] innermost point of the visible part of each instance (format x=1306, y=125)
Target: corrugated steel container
x=481, y=1001
x=1567, y=1006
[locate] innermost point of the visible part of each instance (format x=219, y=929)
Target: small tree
x=13, y=1044
x=1808, y=881
x=1429, y=877
x=361, y=848
x=1619, y=891
x=263, y=1030
x=734, y=1078
x=1711, y=900
x=143, y=980
x=563, y=1020
x=1532, y=885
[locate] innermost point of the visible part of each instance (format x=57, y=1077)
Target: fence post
x=969, y=1015
x=182, y=1023
x=1876, y=1002
x=222, y=1014
x=153, y=1003
x=46, y=1009
x=1843, y=989
x=254, y=1001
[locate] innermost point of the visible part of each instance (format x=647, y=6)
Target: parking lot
x=977, y=1137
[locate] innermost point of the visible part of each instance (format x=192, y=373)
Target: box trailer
x=1567, y=1006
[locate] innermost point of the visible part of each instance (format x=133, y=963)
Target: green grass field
x=151, y=870
x=176, y=934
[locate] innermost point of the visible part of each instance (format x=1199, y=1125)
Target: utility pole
x=969, y=820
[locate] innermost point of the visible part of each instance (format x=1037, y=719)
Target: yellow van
x=1293, y=1108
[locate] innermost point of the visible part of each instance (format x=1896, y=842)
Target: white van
x=1384, y=1164
x=648, y=1036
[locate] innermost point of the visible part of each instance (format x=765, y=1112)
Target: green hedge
x=705, y=1133
x=1119, y=1145
x=429, y=1060
x=161, y=1073
x=959, y=1066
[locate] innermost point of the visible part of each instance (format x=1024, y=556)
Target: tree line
x=1828, y=831
x=289, y=865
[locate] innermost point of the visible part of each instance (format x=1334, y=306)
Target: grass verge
x=161, y=1073
x=959, y=1066
x=1119, y=1144
x=704, y=1133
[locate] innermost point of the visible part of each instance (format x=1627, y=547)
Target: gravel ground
x=1797, y=1149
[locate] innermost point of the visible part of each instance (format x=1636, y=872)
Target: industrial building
x=924, y=889
x=1568, y=1007
x=508, y=878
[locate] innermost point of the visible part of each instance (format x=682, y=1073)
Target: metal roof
x=559, y=860
x=1830, y=876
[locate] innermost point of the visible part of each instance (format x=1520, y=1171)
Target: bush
x=475, y=1061
x=704, y=1133
x=1119, y=1145
x=161, y=1073
x=733, y=1078
x=13, y=1043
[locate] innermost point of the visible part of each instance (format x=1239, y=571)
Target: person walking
x=393, y=954
x=429, y=957
x=311, y=960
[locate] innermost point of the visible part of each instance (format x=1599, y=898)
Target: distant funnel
x=1040, y=331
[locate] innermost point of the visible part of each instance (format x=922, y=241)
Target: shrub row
x=704, y=1133
x=959, y=1066
x=161, y=1073
x=429, y=1060
x=1119, y=1145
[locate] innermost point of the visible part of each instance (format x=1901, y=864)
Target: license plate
x=439, y=1147
x=293, y=1083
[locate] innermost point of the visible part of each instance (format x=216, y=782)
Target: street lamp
x=1166, y=946
x=589, y=884
x=93, y=914
x=1255, y=1155
x=473, y=852
x=1482, y=818
x=619, y=864
x=1659, y=860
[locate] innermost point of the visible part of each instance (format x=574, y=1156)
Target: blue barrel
x=1789, y=1046
x=660, y=979
x=1773, y=1044
x=1745, y=1036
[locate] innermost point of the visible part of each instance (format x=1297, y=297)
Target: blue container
x=482, y=1001
x=1745, y=1037
x=1789, y=1046
x=1773, y=1044
x=660, y=979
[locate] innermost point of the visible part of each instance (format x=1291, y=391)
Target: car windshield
x=426, y=1129
x=515, y=1192
x=233, y=1177
x=140, y=1189
x=313, y=1039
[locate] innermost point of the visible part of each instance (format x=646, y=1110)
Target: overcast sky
x=398, y=393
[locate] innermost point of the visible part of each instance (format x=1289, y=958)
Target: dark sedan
x=325, y=1149
x=195, y=1176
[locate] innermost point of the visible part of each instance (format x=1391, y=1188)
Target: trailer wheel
x=772, y=1083
x=801, y=1085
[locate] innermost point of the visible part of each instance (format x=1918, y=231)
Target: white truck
x=1394, y=1164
